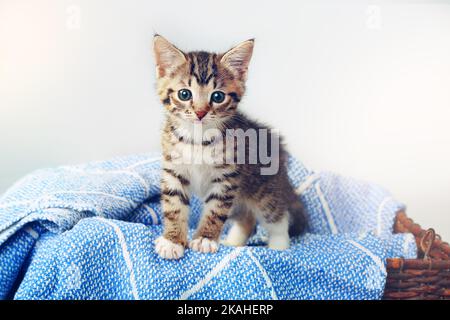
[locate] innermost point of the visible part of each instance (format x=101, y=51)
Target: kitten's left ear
x=238, y=58
x=168, y=57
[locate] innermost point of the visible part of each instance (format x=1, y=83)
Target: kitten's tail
x=298, y=221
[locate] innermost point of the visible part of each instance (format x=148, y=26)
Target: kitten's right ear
x=238, y=58
x=168, y=57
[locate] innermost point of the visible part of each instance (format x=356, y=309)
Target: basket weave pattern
x=425, y=278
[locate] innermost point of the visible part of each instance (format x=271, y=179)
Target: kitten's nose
x=201, y=114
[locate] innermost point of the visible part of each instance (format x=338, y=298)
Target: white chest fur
x=197, y=162
x=200, y=173
x=201, y=177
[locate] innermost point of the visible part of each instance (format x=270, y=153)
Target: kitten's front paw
x=204, y=245
x=167, y=249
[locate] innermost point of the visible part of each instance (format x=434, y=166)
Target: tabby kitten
x=203, y=90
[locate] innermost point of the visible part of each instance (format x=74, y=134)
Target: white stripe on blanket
x=138, y=164
x=306, y=184
x=104, y=172
x=126, y=254
x=219, y=267
x=93, y=193
x=152, y=214
x=327, y=210
x=32, y=233
x=376, y=259
x=379, y=212
x=265, y=275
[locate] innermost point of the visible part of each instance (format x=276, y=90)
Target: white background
x=360, y=88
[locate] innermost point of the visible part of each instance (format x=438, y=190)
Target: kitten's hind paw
x=231, y=243
x=204, y=245
x=167, y=249
x=279, y=243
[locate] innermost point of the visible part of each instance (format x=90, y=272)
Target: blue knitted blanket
x=87, y=232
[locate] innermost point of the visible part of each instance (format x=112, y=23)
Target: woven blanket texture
x=87, y=232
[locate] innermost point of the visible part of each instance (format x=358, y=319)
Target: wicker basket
x=425, y=278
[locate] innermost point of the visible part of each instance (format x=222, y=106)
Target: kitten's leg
x=216, y=211
x=241, y=229
x=214, y=216
x=175, y=206
x=278, y=230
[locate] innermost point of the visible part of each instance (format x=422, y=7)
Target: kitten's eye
x=218, y=97
x=184, y=95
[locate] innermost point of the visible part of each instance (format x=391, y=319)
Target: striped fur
x=229, y=190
